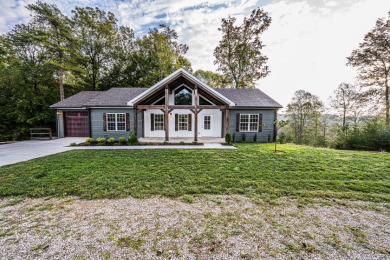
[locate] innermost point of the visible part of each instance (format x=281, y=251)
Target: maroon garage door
x=76, y=124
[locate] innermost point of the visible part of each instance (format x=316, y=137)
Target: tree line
x=357, y=116
x=54, y=56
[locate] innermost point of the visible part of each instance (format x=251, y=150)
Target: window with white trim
x=158, y=122
x=116, y=122
x=249, y=122
x=183, y=122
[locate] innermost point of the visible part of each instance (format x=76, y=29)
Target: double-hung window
x=116, y=122
x=183, y=122
x=158, y=122
x=249, y=123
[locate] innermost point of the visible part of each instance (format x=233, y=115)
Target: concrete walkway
x=24, y=151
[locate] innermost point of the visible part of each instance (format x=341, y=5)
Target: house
x=179, y=106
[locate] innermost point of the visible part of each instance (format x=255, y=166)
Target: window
x=158, y=122
x=204, y=102
x=207, y=122
x=183, y=122
x=160, y=102
x=249, y=123
x=116, y=122
x=183, y=96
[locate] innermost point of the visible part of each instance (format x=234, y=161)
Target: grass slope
x=251, y=169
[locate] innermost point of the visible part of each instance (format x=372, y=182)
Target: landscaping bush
x=194, y=142
x=111, y=140
x=122, y=140
x=117, y=144
x=282, y=138
x=243, y=137
x=89, y=139
x=234, y=137
x=228, y=138
x=73, y=144
x=255, y=138
x=133, y=139
x=87, y=143
x=165, y=143
x=181, y=143
x=101, y=140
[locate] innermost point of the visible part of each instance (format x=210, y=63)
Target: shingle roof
x=115, y=97
x=249, y=97
x=77, y=100
x=120, y=96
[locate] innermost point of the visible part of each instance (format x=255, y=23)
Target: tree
x=372, y=59
x=212, y=79
x=279, y=125
x=238, y=54
x=301, y=110
x=55, y=34
x=98, y=34
x=343, y=99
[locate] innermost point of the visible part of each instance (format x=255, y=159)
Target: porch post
x=166, y=122
x=196, y=114
x=135, y=121
x=227, y=119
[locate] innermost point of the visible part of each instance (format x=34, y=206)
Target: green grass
x=251, y=169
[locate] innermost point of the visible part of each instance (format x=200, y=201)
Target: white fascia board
x=174, y=74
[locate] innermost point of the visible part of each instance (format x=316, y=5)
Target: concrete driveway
x=24, y=151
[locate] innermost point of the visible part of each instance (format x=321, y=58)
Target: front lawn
x=252, y=169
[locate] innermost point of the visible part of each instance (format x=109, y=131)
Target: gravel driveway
x=223, y=227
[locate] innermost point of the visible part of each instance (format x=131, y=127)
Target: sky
x=307, y=43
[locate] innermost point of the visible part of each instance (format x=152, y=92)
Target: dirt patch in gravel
x=227, y=227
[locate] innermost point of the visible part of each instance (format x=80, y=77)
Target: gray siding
x=262, y=137
x=97, y=123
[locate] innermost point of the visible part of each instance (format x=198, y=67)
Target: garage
x=77, y=124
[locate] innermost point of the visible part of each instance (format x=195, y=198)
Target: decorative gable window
x=249, y=122
x=204, y=102
x=116, y=122
x=183, y=96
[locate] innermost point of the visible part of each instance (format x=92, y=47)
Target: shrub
x=181, y=143
x=101, y=140
x=122, y=140
x=243, y=136
x=165, y=143
x=289, y=139
x=87, y=143
x=101, y=144
x=187, y=199
x=228, y=138
x=89, y=140
x=73, y=144
x=111, y=140
x=133, y=139
x=234, y=137
x=282, y=138
x=269, y=137
x=150, y=143
x=117, y=144
x=194, y=142
x=320, y=141
x=255, y=138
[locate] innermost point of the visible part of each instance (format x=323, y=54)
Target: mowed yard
x=249, y=170
x=246, y=203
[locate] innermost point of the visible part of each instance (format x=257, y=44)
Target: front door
x=76, y=124
x=207, y=125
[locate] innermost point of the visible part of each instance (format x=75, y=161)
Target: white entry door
x=207, y=125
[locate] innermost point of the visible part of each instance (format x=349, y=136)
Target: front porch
x=178, y=140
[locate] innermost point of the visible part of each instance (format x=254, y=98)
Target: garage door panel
x=76, y=124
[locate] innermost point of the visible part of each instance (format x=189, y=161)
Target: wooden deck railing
x=44, y=133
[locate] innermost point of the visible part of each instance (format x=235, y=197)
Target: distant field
x=252, y=169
